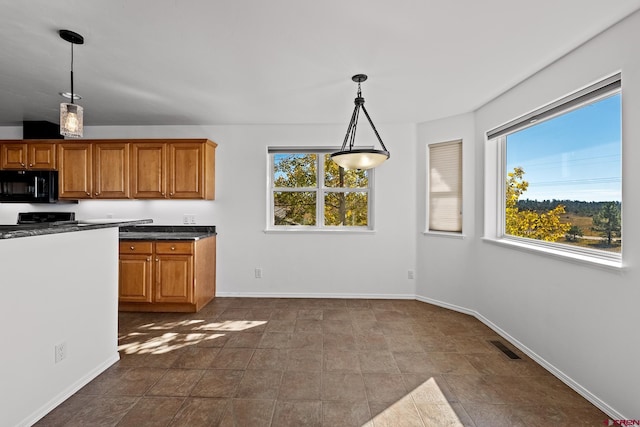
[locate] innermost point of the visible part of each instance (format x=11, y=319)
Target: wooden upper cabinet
x=192, y=170
x=120, y=169
x=94, y=170
x=111, y=171
x=186, y=171
x=179, y=169
x=148, y=170
x=28, y=155
x=76, y=170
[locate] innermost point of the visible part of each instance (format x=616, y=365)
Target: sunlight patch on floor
x=231, y=325
x=424, y=405
x=147, y=338
x=171, y=325
x=144, y=344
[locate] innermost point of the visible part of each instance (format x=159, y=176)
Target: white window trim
x=446, y=234
x=318, y=228
x=495, y=187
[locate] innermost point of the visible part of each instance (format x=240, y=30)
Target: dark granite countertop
x=29, y=230
x=167, y=232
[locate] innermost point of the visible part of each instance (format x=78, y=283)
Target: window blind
x=445, y=186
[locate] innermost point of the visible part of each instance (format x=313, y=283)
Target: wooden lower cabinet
x=136, y=277
x=174, y=272
x=171, y=276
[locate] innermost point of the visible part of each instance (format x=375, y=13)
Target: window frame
x=427, y=229
x=497, y=138
x=320, y=189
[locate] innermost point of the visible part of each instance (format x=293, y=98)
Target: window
x=444, y=200
x=310, y=191
x=561, y=175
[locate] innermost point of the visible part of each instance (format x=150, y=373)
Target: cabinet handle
x=22, y=164
x=132, y=247
x=171, y=194
x=88, y=194
x=148, y=259
x=30, y=165
x=157, y=260
x=97, y=194
x=162, y=194
x=173, y=248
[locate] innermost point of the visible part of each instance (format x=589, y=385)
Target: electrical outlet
x=258, y=273
x=60, y=352
x=109, y=215
x=410, y=274
x=192, y=219
x=189, y=219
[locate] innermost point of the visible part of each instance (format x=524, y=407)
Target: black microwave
x=28, y=186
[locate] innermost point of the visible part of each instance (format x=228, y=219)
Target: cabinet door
x=135, y=278
x=174, y=278
x=75, y=163
x=149, y=170
x=111, y=171
x=14, y=156
x=41, y=155
x=186, y=171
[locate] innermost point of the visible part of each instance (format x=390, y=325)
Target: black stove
x=46, y=219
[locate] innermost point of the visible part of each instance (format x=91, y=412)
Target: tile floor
x=319, y=362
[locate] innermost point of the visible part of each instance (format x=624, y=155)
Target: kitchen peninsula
x=167, y=268
x=59, y=308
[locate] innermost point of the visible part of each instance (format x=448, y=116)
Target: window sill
x=604, y=263
x=317, y=231
x=446, y=234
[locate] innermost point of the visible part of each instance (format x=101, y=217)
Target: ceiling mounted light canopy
x=71, y=114
x=359, y=158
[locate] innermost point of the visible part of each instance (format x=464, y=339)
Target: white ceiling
x=203, y=62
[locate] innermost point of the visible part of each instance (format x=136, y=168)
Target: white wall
x=294, y=264
x=55, y=288
x=439, y=257
x=580, y=321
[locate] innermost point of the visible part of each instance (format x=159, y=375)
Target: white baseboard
x=31, y=419
x=603, y=406
x=443, y=304
x=315, y=295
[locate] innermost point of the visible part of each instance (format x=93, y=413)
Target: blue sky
x=575, y=156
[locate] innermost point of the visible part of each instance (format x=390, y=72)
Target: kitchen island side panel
x=57, y=290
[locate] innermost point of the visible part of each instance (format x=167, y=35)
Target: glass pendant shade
x=71, y=121
x=359, y=158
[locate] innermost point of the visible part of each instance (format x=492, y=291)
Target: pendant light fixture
x=71, y=120
x=359, y=158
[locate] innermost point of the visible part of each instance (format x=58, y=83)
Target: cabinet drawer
x=133, y=247
x=174, y=247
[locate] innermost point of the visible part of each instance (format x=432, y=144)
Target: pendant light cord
x=72, y=73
